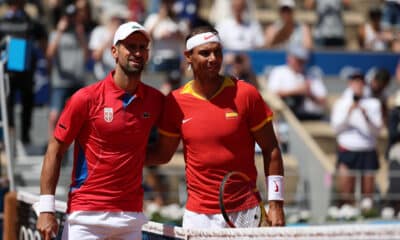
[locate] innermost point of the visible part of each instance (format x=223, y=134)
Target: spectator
x=239, y=32
x=221, y=9
x=371, y=35
x=67, y=54
x=286, y=30
x=101, y=39
x=17, y=23
x=304, y=94
x=239, y=66
x=391, y=22
x=329, y=29
x=393, y=155
x=167, y=38
x=188, y=14
x=137, y=10
x=378, y=83
x=356, y=120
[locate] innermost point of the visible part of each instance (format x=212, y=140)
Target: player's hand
x=276, y=216
x=47, y=225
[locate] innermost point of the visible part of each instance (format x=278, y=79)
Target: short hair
x=382, y=76
x=201, y=29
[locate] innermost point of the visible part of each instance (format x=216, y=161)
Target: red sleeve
x=72, y=117
x=259, y=112
x=171, y=118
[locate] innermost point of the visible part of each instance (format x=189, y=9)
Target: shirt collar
x=188, y=88
x=118, y=92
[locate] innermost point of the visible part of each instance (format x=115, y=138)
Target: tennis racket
x=237, y=191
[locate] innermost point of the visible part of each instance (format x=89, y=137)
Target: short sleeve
x=259, y=113
x=171, y=118
x=72, y=117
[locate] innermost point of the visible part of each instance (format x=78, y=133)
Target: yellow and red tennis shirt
x=217, y=136
x=110, y=129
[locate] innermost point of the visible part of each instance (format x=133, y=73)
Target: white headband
x=200, y=39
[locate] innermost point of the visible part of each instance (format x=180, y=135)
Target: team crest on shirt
x=108, y=114
x=231, y=114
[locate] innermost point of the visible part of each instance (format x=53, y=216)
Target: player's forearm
x=274, y=166
x=51, y=167
x=50, y=175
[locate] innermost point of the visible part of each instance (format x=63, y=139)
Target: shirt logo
x=186, y=120
x=208, y=37
x=276, y=187
x=230, y=115
x=108, y=114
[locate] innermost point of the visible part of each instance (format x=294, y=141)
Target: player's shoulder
x=244, y=86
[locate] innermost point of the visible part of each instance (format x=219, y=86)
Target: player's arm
x=162, y=150
x=47, y=223
x=273, y=169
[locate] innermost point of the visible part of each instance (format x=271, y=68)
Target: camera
x=356, y=98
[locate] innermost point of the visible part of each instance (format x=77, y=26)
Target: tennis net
x=157, y=231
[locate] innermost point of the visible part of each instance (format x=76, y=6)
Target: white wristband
x=47, y=203
x=275, y=187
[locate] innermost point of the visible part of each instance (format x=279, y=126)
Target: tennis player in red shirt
x=110, y=122
x=219, y=120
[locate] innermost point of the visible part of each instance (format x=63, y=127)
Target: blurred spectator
x=391, y=15
x=101, y=39
x=173, y=81
x=356, y=120
x=393, y=155
x=137, y=10
x=167, y=38
x=286, y=30
x=188, y=14
x=18, y=24
x=371, y=35
x=239, y=66
x=221, y=9
x=329, y=29
x=67, y=54
x=304, y=94
x=391, y=22
x=378, y=83
x=239, y=32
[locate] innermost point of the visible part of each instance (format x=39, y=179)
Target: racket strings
x=249, y=218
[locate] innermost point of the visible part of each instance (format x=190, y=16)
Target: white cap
x=287, y=3
x=127, y=29
x=298, y=51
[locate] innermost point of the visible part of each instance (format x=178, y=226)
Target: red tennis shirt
x=111, y=130
x=217, y=137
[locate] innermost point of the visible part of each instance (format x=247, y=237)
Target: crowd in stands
x=75, y=37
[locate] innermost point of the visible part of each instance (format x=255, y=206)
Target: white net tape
x=153, y=230
x=333, y=232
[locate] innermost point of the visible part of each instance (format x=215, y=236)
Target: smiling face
x=132, y=53
x=205, y=59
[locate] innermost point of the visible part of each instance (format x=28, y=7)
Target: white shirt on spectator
x=240, y=36
x=354, y=132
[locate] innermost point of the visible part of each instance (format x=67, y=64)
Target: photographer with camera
x=357, y=121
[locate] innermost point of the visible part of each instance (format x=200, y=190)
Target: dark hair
x=201, y=29
x=375, y=13
x=382, y=75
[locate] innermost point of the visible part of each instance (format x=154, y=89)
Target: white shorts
x=200, y=220
x=91, y=225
